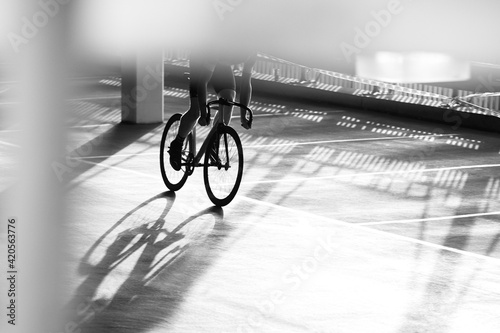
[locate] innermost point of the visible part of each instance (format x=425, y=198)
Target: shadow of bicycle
x=138, y=272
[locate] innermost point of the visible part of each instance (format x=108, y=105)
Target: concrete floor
x=346, y=221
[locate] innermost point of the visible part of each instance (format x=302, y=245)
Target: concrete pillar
x=142, y=88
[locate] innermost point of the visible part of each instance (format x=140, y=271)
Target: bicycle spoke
x=222, y=180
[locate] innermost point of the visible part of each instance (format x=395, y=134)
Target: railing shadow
x=453, y=277
x=104, y=145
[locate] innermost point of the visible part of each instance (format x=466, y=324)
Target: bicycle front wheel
x=173, y=179
x=223, y=166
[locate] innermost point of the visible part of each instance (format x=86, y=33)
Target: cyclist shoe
x=175, y=152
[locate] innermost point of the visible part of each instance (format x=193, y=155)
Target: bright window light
x=412, y=67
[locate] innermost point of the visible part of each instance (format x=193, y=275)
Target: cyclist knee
x=228, y=94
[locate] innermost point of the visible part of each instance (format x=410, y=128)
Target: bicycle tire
x=223, y=167
x=174, y=180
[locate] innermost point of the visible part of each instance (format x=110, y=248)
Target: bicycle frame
x=221, y=102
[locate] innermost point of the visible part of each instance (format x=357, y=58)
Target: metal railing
x=271, y=68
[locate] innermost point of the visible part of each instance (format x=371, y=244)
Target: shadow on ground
x=138, y=272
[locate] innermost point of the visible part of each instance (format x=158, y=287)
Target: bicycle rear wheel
x=173, y=179
x=223, y=166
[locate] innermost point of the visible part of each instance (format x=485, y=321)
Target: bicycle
x=222, y=149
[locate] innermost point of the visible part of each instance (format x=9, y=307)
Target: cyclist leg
x=200, y=72
x=224, y=85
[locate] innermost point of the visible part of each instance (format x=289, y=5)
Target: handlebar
x=223, y=101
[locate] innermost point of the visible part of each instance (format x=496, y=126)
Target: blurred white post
x=142, y=87
x=35, y=198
